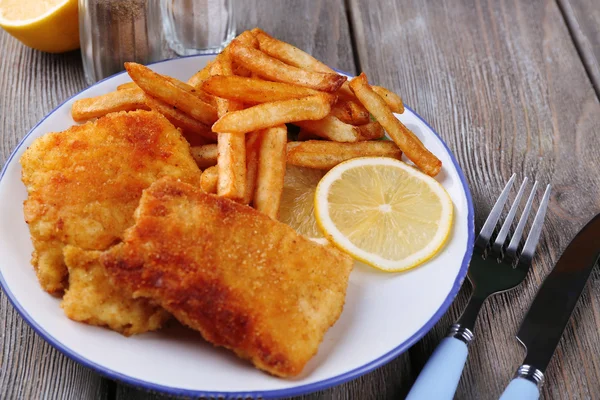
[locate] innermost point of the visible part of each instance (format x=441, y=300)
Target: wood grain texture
x=502, y=82
x=583, y=19
x=321, y=29
x=31, y=85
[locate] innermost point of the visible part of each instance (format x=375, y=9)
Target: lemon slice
x=49, y=25
x=298, y=200
x=383, y=212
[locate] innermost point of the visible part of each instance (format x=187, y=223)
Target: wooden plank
x=321, y=29
x=583, y=19
x=31, y=85
x=502, y=82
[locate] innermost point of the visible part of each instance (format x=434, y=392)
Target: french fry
x=322, y=154
x=185, y=86
x=256, y=30
x=254, y=91
x=247, y=38
x=223, y=65
x=205, y=156
x=231, y=165
x=128, y=85
x=271, y=170
x=292, y=55
x=252, y=153
x=182, y=85
x=120, y=100
x=289, y=54
x=209, y=180
x=231, y=162
x=331, y=128
x=291, y=146
x=350, y=112
x=267, y=115
x=304, y=135
x=345, y=92
x=239, y=70
x=400, y=134
x=201, y=75
x=275, y=70
x=187, y=124
x=370, y=131
x=163, y=89
x=195, y=80
x=205, y=97
x=393, y=101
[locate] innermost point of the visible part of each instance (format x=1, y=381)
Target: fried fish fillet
x=93, y=299
x=84, y=183
x=245, y=281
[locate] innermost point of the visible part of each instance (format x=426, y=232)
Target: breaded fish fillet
x=92, y=299
x=245, y=281
x=84, y=183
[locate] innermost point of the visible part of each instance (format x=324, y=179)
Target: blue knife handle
x=440, y=376
x=526, y=385
x=521, y=389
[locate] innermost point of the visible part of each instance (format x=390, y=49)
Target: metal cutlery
x=495, y=267
x=551, y=309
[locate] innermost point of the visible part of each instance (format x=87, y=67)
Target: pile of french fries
x=237, y=110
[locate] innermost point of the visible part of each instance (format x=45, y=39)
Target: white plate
x=384, y=313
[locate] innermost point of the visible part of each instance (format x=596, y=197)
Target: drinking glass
x=197, y=26
x=112, y=32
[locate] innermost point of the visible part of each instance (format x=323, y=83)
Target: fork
x=493, y=269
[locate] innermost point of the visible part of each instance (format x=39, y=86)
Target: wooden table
x=511, y=86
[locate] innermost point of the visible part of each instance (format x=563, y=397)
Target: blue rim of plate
x=269, y=394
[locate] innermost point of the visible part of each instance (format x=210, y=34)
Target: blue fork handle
x=440, y=376
x=521, y=389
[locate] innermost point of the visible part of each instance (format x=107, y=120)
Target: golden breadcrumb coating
x=84, y=183
x=245, y=281
x=91, y=297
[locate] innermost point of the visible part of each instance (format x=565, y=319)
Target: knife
x=551, y=309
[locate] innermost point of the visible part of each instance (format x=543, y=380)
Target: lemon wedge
x=50, y=25
x=383, y=212
x=298, y=199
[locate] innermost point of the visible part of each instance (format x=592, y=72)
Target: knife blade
x=553, y=304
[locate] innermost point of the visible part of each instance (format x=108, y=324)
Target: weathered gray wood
x=502, y=82
x=31, y=85
x=583, y=19
x=320, y=28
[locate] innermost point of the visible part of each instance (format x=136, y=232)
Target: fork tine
x=511, y=250
x=499, y=242
x=490, y=223
x=536, y=229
